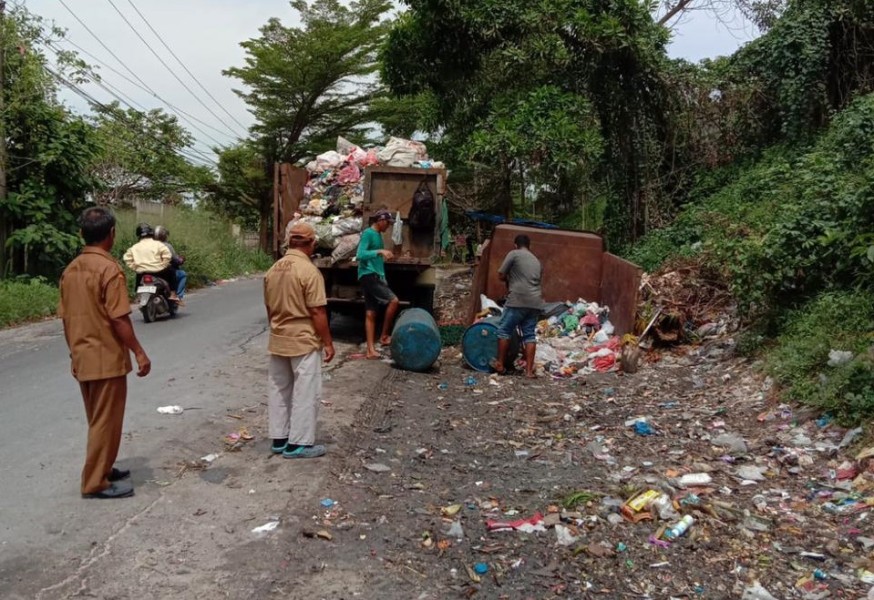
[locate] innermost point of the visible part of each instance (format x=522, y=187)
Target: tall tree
x=244, y=190
x=305, y=85
x=542, y=91
x=48, y=151
x=141, y=158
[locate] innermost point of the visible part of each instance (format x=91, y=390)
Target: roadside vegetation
x=26, y=299
x=211, y=253
x=204, y=239
x=756, y=167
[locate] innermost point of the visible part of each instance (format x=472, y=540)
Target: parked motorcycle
x=153, y=296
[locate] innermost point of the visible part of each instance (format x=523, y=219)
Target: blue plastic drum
x=415, y=341
x=479, y=345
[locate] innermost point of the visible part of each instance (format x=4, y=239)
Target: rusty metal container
x=575, y=265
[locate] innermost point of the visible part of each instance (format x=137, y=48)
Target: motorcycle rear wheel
x=149, y=312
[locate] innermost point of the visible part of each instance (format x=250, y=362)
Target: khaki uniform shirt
x=148, y=256
x=292, y=286
x=93, y=292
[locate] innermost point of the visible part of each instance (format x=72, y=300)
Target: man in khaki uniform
x=96, y=313
x=294, y=294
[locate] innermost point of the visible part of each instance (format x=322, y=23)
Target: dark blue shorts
x=522, y=318
x=376, y=292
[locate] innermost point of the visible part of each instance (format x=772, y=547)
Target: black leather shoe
x=120, y=489
x=118, y=474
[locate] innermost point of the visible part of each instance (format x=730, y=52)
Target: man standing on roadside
x=521, y=271
x=294, y=294
x=371, y=274
x=96, y=314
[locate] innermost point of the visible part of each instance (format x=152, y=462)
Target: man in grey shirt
x=521, y=271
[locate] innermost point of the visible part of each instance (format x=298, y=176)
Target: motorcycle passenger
x=162, y=234
x=149, y=256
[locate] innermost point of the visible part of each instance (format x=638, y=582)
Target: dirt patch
x=429, y=454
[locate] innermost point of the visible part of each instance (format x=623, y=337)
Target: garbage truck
x=410, y=274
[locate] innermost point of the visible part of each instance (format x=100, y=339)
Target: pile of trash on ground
x=683, y=302
x=334, y=193
x=576, y=339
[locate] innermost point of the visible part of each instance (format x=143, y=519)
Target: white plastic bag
x=399, y=152
x=346, y=247
x=344, y=146
x=328, y=160
x=397, y=230
x=346, y=226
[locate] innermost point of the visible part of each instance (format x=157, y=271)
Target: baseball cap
x=301, y=232
x=383, y=215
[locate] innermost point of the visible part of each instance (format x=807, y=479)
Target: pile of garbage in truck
x=334, y=193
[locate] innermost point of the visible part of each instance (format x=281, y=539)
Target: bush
x=211, y=252
x=796, y=223
x=799, y=361
x=26, y=299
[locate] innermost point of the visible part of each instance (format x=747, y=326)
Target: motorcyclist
x=153, y=257
x=162, y=234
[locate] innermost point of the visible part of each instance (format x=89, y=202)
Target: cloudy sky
x=205, y=35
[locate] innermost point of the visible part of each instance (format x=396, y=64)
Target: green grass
x=799, y=360
x=211, y=252
x=24, y=300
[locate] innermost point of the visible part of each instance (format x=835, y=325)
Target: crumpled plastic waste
x=529, y=525
x=335, y=188
x=576, y=341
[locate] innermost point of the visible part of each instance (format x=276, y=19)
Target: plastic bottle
x=680, y=528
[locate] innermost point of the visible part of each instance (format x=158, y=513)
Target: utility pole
x=3, y=224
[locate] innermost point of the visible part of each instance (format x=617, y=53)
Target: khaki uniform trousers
x=294, y=392
x=104, y=407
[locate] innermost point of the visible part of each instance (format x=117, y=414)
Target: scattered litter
x=328, y=503
x=170, y=410
x=752, y=473
x=529, y=525
x=377, y=467
x=209, y=458
x=694, y=479
x=564, y=537
x=757, y=592
x=643, y=428
x=267, y=527
x=836, y=358
x=455, y=530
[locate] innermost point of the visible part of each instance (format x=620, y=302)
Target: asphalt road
x=42, y=422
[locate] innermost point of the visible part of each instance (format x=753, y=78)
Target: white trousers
x=294, y=392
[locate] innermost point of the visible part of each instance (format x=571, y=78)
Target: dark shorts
x=524, y=319
x=376, y=292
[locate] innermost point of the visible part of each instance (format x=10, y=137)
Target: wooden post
x=277, y=211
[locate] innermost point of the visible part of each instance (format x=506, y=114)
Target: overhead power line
x=139, y=83
x=97, y=104
x=182, y=64
x=166, y=66
x=182, y=114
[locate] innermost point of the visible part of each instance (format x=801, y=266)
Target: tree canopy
x=306, y=85
x=542, y=91
x=140, y=157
